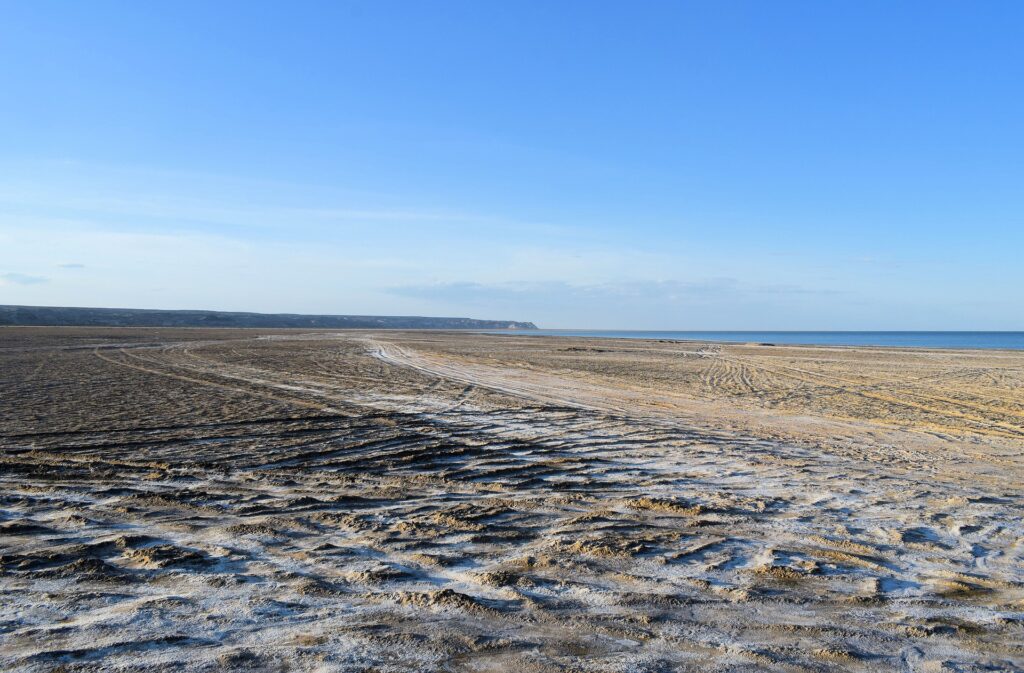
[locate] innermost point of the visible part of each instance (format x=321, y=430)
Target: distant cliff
x=136, y=317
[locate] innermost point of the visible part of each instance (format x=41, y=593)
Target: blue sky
x=678, y=165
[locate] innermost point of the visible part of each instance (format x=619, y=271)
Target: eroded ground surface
x=204, y=500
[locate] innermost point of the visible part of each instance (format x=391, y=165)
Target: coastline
x=933, y=340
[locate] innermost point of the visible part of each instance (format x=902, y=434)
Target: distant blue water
x=1013, y=340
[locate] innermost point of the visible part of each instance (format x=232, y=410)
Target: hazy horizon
x=803, y=166
x=544, y=328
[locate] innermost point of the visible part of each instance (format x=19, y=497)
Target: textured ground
x=204, y=500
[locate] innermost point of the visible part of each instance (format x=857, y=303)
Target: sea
x=979, y=340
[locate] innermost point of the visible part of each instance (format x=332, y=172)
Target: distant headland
x=136, y=317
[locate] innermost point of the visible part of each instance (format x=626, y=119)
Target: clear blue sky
x=687, y=165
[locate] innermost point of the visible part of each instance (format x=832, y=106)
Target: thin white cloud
x=653, y=291
x=22, y=279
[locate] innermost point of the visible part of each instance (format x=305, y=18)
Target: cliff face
x=131, y=317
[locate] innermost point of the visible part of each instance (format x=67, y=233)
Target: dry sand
x=206, y=500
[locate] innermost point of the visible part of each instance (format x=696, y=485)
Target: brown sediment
x=205, y=500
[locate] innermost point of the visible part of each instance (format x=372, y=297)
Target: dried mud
x=207, y=500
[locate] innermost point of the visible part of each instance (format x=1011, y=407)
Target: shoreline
x=642, y=335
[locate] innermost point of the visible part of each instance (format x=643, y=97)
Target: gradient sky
x=678, y=165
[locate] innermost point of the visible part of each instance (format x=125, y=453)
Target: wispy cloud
x=72, y=265
x=156, y=211
x=22, y=279
x=659, y=291
x=702, y=303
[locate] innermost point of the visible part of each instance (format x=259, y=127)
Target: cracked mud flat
x=207, y=500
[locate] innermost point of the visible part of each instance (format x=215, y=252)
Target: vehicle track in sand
x=930, y=403
x=657, y=405
x=397, y=502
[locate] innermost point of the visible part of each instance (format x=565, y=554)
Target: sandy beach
x=207, y=500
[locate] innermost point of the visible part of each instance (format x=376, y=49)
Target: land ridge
x=71, y=316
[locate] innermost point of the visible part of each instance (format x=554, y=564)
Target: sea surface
x=986, y=340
